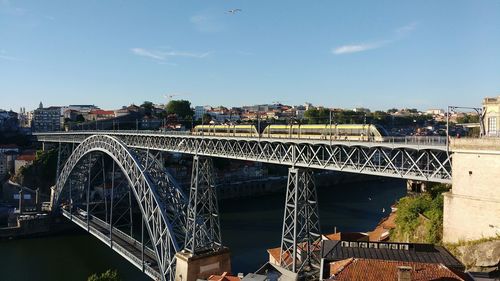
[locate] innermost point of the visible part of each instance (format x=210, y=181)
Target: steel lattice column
x=203, y=227
x=64, y=150
x=301, y=230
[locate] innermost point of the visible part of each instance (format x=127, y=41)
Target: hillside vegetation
x=420, y=217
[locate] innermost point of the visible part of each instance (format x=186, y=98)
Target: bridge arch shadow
x=161, y=202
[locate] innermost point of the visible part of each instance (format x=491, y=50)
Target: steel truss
x=143, y=180
x=203, y=226
x=169, y=191
x=301, y=229
x=425, y=163
x=64, y=150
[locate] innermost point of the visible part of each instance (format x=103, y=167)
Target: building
x=435, y=111
x=82, y=108
x=224, y=277
x=23, y=160
x=8, y=121
x=353, y=260
x=375, y=270
x=47, y=119
x=199, y=111
x=122, y=112
x=491, y=111
x=8, y=155
x=99, y=114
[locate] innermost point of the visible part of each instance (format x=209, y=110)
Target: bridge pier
x=203, y=254
x=301, y=229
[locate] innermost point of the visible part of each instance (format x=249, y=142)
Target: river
x=249, y=227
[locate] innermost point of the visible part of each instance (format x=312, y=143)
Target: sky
x=344, y=54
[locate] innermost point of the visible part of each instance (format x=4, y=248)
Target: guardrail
x=405, y=140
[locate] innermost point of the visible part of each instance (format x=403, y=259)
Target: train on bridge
x=355, y=132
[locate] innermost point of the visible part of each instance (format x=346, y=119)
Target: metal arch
x=169, y=191
x=152, y=208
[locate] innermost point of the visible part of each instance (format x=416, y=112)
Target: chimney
x=404, y=273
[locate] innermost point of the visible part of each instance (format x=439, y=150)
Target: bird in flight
x=233, y=11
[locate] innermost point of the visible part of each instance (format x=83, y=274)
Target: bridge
x=102, y=176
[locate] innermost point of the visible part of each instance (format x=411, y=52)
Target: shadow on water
x=249, y=227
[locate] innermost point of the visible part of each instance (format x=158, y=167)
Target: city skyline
x=388, y=54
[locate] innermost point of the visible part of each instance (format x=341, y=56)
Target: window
x=492, y=126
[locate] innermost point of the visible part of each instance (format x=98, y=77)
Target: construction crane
x=169, y=97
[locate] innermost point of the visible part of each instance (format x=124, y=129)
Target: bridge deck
x=425, y=159
x=121, y=243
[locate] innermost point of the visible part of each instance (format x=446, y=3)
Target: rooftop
x=224, y=277
x=407, y=252
x=375, y=270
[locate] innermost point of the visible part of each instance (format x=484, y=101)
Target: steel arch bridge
x=160, y=202
x=174, y=223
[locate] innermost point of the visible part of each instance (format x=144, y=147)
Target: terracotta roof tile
x=376, y=270
x=224, y=277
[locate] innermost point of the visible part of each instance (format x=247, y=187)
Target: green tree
x=392, y=110
x=80, y=118
x=181, y=108
x=312, y=115
x=109, y=275
x=323, y=115
x=147, y=106
x=469, y=118
x=206, y=118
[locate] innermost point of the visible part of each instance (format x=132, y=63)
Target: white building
x=200, y=110
x=491, y=111
x=434, y=111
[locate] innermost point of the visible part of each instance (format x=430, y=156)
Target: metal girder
x=301, y=230
x=152, y=207
x=203, y=226
x=169, y=191
x=64, y=150
x=425, y=163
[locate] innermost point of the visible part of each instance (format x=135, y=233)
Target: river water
x=249, y=227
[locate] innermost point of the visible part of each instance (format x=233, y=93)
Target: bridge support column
x=301, y=230
x=203, y=254
x=414, y=186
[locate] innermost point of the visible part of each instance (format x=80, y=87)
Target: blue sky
x=376, y=54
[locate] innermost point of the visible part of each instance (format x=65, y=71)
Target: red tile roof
x=224, y=277
x=27, y=157
x=376, y=270
x=381, y=232
x=102, y=112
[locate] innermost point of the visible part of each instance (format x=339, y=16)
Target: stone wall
x=472, y=208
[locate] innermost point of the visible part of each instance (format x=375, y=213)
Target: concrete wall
x=191, y=268
x=472, y=208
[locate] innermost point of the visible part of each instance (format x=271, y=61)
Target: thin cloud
x=407, y=28
x=4, y=56
x=361, y=47
x=356, y=48
x=161, y=55
x=205, y=23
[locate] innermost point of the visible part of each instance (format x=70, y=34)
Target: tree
x=181, y=108
x=80, y=118
x=148, y=107
x=109, y=275
x=469, y=118
x=206, y=118
x=392, y=110
x=311, y=115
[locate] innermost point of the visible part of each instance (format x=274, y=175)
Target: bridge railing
x=396, y=140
